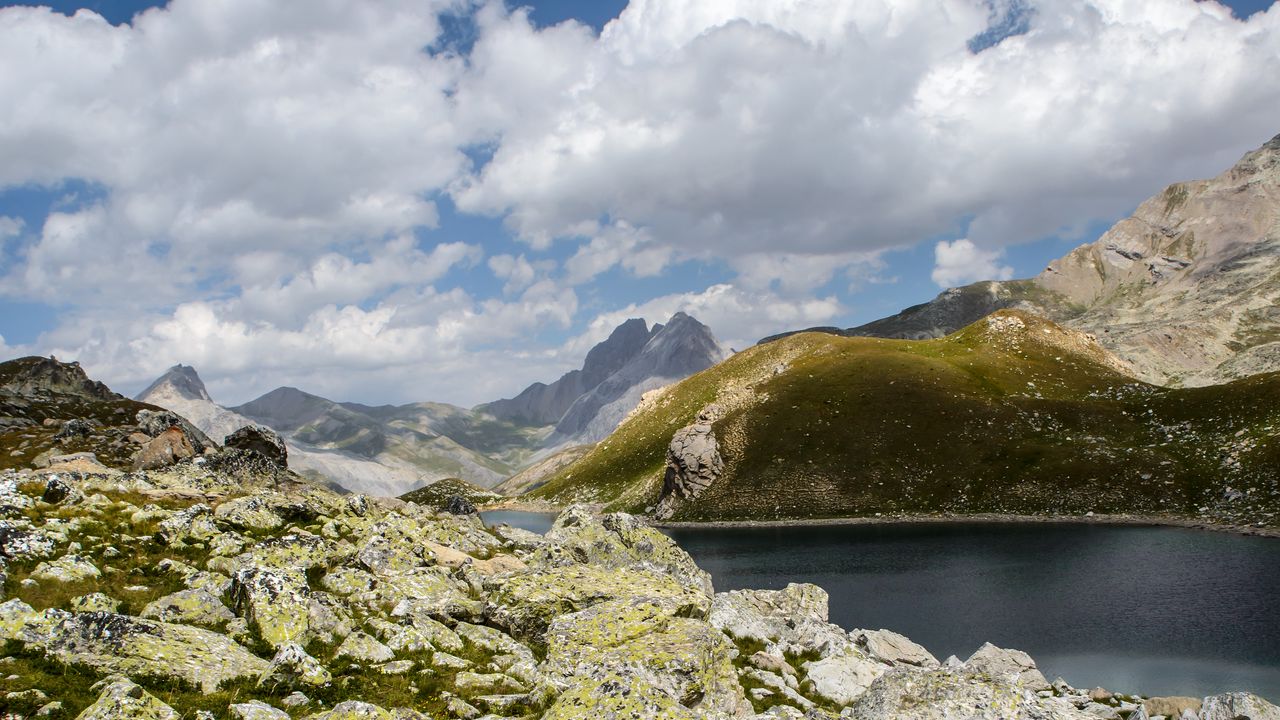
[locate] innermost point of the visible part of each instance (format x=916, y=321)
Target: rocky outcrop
x=164, y=450
x=693, y=463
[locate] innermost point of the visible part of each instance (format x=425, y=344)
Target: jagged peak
x=182, y=380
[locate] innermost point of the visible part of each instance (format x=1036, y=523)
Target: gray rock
x=693, y=464
x=261, y=440
x=893, y=648
x=123, y=700
x=911, y=694
x=257, y=710
x=995, y=661
x=293, y=667
x=165, y=449
x=1238, y=706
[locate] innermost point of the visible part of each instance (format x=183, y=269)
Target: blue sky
x=448, y=199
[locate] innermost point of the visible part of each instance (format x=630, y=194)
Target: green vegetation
x=1030, y=420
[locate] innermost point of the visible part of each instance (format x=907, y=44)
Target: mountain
x=1187, y=290
x=673, y=352
x=1013, y=415
x=542, y=404
x=413, y=444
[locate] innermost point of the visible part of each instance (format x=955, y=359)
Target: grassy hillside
x=1012, y=414
x=437, y=494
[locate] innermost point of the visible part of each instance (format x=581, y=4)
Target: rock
x=1100, y=695
x=693, y=464
x=18, y=541
x=842, y=678
x=362, y=648
x=68, y=568
x=1238, y=706
x=155, y=423
x=525, y=605
x=615, y=698
x=619, y=540
x=295, y=699
x=189, y=607
x=248, y=513
x=164, y=450
x=123, y=700
x=275, y=602
x=458, y=505
x=56, y=490
x=1171, y=707
x=261, y=440
x=73, y=429
x=94, y=602
x=194, y=523
x=895, y=649
x=994, y=661
x=353, y=710
x=257, y=710
x=763, y=615
x=127, y=645
x=293, y=667
x=911, y=694
x=778, y=685
x=471, y=684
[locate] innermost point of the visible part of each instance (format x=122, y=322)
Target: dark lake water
x=1161, y=611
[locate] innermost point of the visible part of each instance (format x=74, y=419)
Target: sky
x=407, y=200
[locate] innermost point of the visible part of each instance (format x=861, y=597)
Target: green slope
x=1012, y=414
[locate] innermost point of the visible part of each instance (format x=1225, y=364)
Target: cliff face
x=1187, y=290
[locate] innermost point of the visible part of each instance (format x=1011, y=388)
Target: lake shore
x=1130, y=520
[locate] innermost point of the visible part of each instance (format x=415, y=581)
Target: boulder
x=164, y=450
x=261, y=440
x=458, y=505
x=1171, y=707
x=68, y=568
x=248, y=513
x=94, y=602
x=276, y=602
x=189, y=607
x=363, y=648
x=353, y=710
x=911, y=694
x=892, y=648
x=615, y=697
x=995, y=661
x=618, y=540
x=194, y=523
x=525, y=605
x=1238, y=706
x=153, y=423
x=112, y=643
x=794, y=618
x=123, y=700
x=293, y=667
x=840, y=679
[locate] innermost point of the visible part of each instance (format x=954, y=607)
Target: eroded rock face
x=693, y=463
x=164, y=450
x=1234, y=706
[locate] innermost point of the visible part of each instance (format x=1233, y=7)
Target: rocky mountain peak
x=180, y=381
x=622, y=344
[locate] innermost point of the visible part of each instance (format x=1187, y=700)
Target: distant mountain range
x=1186, y=291
x=388, y=450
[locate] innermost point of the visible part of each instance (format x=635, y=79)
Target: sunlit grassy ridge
x=1010, y=415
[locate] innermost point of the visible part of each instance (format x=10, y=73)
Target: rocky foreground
x=223, y=587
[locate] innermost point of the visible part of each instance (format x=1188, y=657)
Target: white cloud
x=10, y=227
x=741, y=126
x=960, y=262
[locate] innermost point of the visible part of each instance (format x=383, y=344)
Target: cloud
x=960, y=262
x=736, y=127
x=10, y=227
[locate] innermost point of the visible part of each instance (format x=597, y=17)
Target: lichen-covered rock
x=910, y=694
x=794, y=618
x=892, y=648
x=615, y=698
x=1172, y=706
x=293, y=667
x=20, y=541
x=525, y=605
x=194, y=523
x=248, y=513
x=293, y=551
x=257, y=710
x=123, y=700
x=112, y=643
x=353, y=710
x=276, y=602
x=261, y=440
x=417, y=634
x=14, y=615
x=646, y=641
x=842, y=678
x=189, y=607
x=471, y=684
x=618, y=540
x=68, y=568
x=363, y=648
x=1236, y=706
x=154, y=423
x=94, y=602
x=995, y=661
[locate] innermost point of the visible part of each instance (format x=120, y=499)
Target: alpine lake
x=1151, y=610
